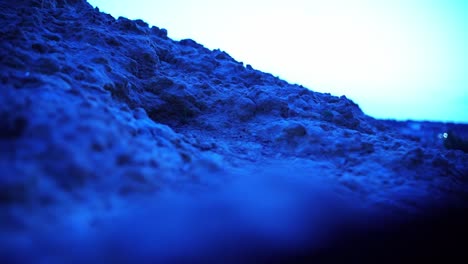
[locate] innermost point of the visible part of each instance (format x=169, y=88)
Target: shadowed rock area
x=121, y=145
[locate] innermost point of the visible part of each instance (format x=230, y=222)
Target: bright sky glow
x=399, y=59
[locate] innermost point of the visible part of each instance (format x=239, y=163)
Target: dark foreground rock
x=120, y=145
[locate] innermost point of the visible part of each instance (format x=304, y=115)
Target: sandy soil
x=120, y=145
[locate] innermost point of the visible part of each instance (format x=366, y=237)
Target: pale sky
x=399, y=59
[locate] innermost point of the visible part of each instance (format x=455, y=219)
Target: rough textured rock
x=118, y=144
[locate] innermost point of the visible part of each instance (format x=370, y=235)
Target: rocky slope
x=120, y=145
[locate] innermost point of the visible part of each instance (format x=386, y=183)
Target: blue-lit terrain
x=120, y=145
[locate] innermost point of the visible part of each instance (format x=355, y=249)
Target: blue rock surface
x=121, y=145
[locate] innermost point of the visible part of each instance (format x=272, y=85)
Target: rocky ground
x=120, y=145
